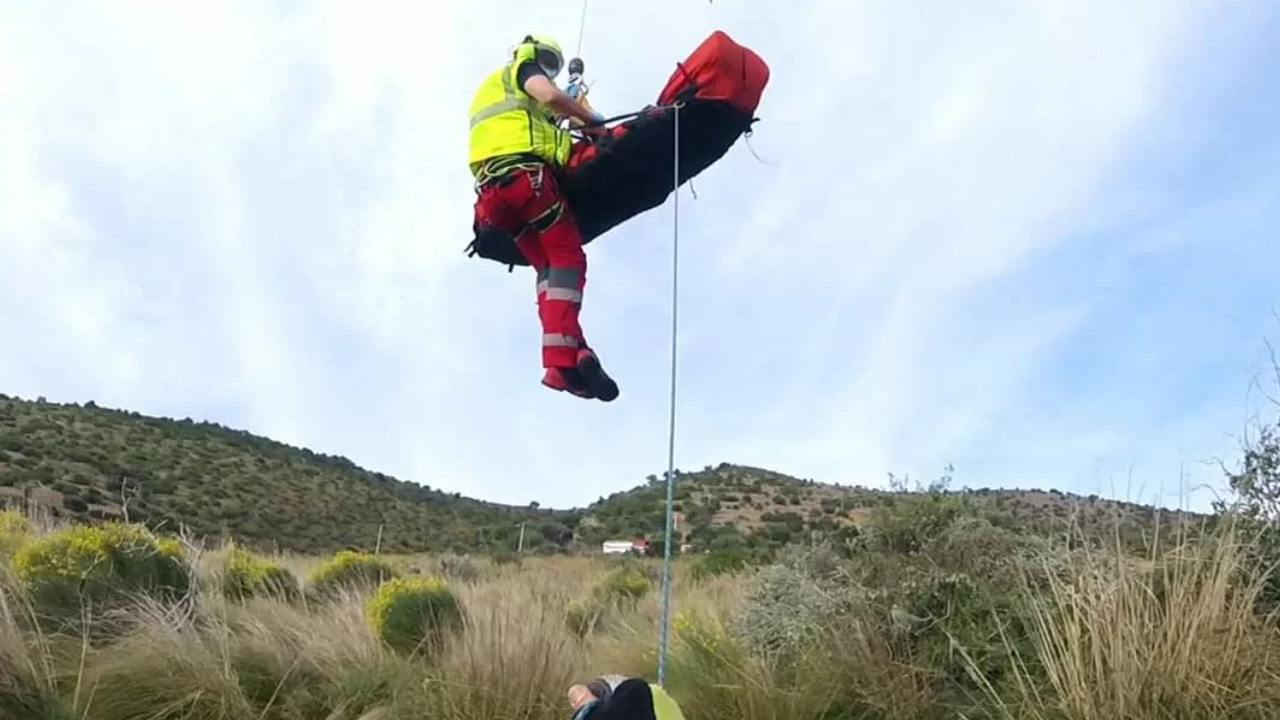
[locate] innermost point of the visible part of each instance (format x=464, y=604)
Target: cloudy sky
x=1038, y=242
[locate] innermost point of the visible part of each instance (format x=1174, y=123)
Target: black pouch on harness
x=492, y=243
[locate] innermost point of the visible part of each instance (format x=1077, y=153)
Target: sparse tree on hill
x=1256, y=482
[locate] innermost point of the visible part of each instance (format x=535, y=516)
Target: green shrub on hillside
x=955, y=612
x=974, y=546
x=350, y=570
x=720, y=562
x=246, y=575
x=413, y=614
x=100, y=564
x=910, y=522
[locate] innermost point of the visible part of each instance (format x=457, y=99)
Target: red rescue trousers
x=528, y=204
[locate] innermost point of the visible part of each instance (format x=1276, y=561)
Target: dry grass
x=1177, y=636
x=1110, y=638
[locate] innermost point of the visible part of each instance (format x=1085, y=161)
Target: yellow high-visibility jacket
x=506, y=121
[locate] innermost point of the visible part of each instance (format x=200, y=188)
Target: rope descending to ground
x=664, y=631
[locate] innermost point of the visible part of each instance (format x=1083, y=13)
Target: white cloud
x=258, y=213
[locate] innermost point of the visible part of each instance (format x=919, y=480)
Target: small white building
x=617, y=547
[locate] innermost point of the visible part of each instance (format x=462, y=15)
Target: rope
x=582, y=26
x=663, y=637
x=759, y=159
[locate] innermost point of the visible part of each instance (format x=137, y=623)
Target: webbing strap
x=548, y=218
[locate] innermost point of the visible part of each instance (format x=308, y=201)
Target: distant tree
x=1255, y=483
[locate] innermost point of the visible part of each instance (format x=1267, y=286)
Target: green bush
x=246, y=575
x=975, y=547
x=911, y=522
x=791, y=606
x=413, y=614
x=958, y=624
x=350, y=570
x=719, y=562
x=624, y=586
x=100, y=564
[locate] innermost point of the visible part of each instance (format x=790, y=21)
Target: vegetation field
x=931, y=611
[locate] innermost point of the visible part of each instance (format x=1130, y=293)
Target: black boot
x=598, y=382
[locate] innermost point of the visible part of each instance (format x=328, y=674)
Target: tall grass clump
x=349, y=571
x=713, y=675
x=1170, y=636
x=99, y=566
x=513, y=657
x=414, y=615
x=28, y=674
x=459, y=568
x=14, y=531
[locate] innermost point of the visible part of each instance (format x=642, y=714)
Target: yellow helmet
x=547, y=52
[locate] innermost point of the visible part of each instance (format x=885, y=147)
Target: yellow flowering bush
x=99, y=564
x=350, y=570
x=246, y=575
x=413, y=614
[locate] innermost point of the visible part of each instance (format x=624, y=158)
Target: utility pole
x=520, y=547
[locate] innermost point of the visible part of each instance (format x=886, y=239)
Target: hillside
x=87, y=463
x=736, y=506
